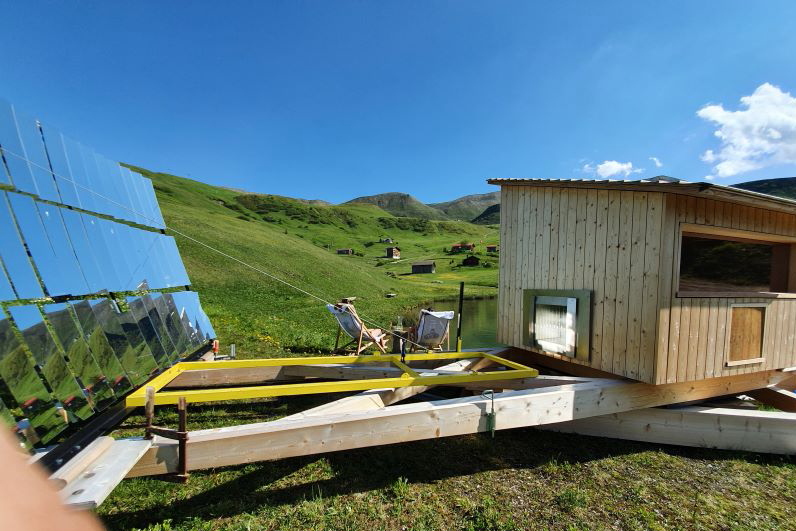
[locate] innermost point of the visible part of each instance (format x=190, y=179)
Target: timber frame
x=587, y=403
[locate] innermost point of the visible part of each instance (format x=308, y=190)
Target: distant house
x=463, y=248
x=426, y=266
x=394, y=252
x=385, y=240
x=345, y=251
x=471, y=261
x=491, y=248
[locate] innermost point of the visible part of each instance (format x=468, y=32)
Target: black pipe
x=459, y=321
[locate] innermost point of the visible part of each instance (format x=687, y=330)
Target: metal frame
x=408, y=378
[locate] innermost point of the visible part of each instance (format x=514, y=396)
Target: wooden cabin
x=657, y=280
x=463, y=248
x=424, y=266
x=345, y=251
x=471, y=261
x=394, y=252
x=492, y=248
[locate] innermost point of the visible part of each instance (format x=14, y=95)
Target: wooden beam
x=774, y=396
x=559, y=365
x=411, y=422
x=218, y=377
x=701, y=427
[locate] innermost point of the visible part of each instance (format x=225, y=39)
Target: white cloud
x=610, y=168
x=761, y=135
x=588, y=168
x=657, y=162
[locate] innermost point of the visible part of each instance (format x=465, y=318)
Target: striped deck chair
x=352, y=325
x=432, y=330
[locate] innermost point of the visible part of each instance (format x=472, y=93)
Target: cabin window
x=747, y=329
x=725, y=265
x=557, y=321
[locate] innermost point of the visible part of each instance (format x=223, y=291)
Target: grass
x=523, y=479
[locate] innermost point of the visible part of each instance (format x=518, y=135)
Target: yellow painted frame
x=408, y=378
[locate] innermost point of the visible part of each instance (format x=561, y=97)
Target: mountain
x=490, y=216
x=782, y=187
x=468, y=207
x=403, y=205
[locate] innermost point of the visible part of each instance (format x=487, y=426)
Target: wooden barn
x=471, y=261
x=345, y=251
x=463, y=248
x=657, y=280
x=424, y=266
x=492, y=248
x=393, y=252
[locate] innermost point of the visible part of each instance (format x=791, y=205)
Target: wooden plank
x=511, y=261
x=700, y=427
x=685, y=214
x=555, y=229
x=522, y=263
x=428, y=420
x=571, y=239
x=579, y=258
x=782, y=399
x=649, y=305
x=502, y=329
x=624, y=275
x=711, y=352
x=666, y=289
x=75, y=466
x=635, y=287
x=611, y=276
x=91, y=488
x=600, y=249
x=216, y=377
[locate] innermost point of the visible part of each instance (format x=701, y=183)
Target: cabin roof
x=423, y=263
x=664, y=184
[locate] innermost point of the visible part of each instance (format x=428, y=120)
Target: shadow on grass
x=357, y=471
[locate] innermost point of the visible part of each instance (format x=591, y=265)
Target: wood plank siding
x=624, y=246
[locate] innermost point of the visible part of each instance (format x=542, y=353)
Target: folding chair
x=350, y=323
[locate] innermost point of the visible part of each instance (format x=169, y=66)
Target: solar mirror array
x=94, y=297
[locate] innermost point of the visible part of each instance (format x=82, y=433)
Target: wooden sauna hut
x=659, y=280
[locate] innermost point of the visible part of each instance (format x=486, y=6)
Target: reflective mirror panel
x=127, y=341
x=160, y=328
x=90, y=264
x=15, y=257
x=18, y=171
x=150, y=199
x=31, y=398
x=96, y=385
x=44, y=234
x=51, y=361
x=101, y=348
x=74, y=156
x=136, y=316
x=56, y=150
x=6, y=292
x=174, y=324
x=36, y=156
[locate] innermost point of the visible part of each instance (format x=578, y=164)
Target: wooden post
x=149, y=411
x=459, y=319
x=182, y=459
x=337, y=340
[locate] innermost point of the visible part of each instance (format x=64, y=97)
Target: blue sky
x=334, y=100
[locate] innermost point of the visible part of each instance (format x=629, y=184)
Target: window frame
x=745, y=236
x=582, y=320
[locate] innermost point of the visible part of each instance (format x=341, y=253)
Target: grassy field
x=521, y=479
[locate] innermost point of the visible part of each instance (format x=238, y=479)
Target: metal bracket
x=180, y=435
x=490, y=416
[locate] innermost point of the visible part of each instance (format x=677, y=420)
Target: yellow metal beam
x=263, y=391
x=409, y=377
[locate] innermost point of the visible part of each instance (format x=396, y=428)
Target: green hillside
x=399, y=204
x=297, y=241
x=783, y=187
x=490, y=216
x=468, y=207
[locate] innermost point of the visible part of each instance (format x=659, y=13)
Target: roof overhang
x=669, y=186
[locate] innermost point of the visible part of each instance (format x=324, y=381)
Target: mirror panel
x=160, y=328
x=51, y=361
x=130, y=347
x=80, y=357
x=102, y=350
x=136, y=316
x=18, y=170
x=30, y=396
x=36, y=156
x=64, y=182
x=15, y=258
